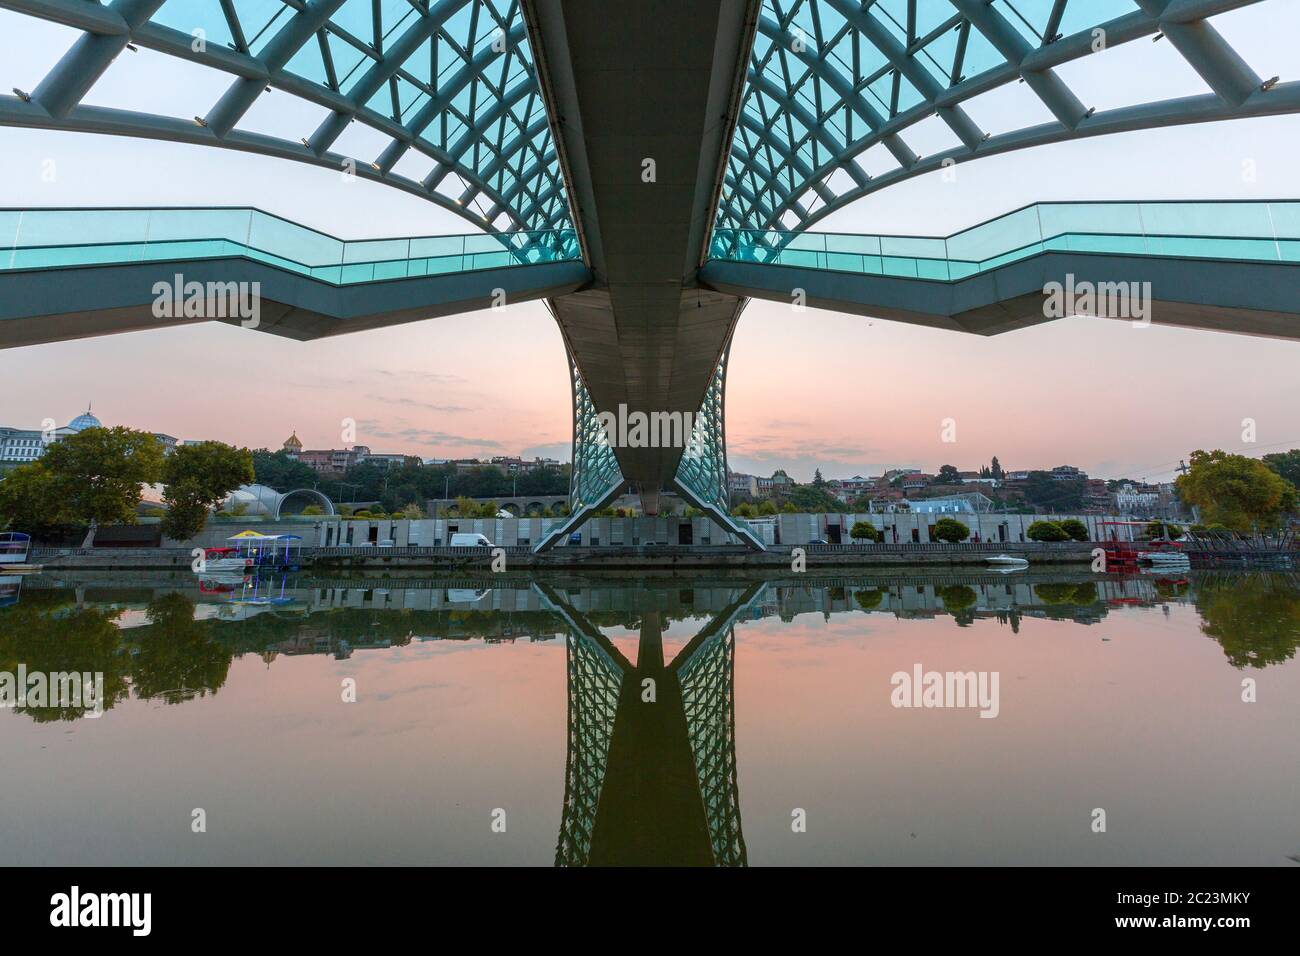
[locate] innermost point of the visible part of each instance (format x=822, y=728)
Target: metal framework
x=705, y=673
x=829, y=79
x=596, y=478
x=452, y=80
x=702, y=473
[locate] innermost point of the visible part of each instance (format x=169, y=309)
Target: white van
x=465, y=540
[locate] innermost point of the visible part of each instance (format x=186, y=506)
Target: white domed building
x=259, y=501
x=83, y=421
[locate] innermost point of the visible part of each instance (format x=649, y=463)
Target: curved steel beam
x=1238, y=92
x=108, y=30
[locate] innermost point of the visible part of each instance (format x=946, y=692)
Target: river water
x=705, y=718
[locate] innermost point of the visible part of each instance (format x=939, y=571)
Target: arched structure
x=261, y=501
x=451, y=81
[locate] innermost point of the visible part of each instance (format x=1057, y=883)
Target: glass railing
x=1260, y=231
x=62, y=238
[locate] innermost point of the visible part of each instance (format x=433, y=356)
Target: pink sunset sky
x=806, y=389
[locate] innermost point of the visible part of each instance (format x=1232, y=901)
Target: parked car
x=467, y=540
x=817, y=541
x=575, y=537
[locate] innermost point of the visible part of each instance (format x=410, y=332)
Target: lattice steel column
x=702, y=474
x=596, y=479
x=708, y=696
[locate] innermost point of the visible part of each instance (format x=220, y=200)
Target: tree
x=767, y=508
x=950, y=530
x=1046, y=531
x=97, y=476
x=862, y=531
x=1286, y=464
x=1159, y=529
x=277, y=470
x=743, y=510
x=198, y=477
x=1235, y=491
x=818, y=481
x=28, y=502
x=949, y=475
x=1076, y=529
x=995, y=469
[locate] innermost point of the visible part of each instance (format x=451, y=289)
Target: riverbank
x=776, y=557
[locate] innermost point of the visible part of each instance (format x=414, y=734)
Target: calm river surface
x=699, y=719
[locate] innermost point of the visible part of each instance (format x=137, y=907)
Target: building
x=779, y=482
x=1068, y=473
x=969, y=503
x=916, y=481
x=167, y=441
x=392, y=461
x=739, y=483
x=20, y=445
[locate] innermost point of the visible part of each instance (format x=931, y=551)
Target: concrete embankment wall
x=786, y=529
x=779, y=557
x=616, y=542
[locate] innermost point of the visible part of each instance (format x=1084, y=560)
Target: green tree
x=1046, y=531
x=743, y=510
x=197, y=477
x=957, y=597
x=277, y=470
x=818, y=481
x=1286, y=464
x=767, y=508
x=28, y=502
x=90, y=478
x=862, y=531
x=950, y=530
x=1076, y=529
x=868, y=598
x=949, y=475
x=1235, y=491
x=1158, y=529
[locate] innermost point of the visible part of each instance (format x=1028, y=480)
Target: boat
x=1007, y=562
x=1164, y=559
x=223, y=560
x=14, y=548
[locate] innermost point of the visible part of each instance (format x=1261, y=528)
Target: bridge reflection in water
x=650, y=771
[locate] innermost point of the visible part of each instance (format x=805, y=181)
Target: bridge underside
x=1248, y=298
x=49, y=305
x=642, y=95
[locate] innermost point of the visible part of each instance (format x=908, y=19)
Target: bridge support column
x=597, y=479
x=701, y=477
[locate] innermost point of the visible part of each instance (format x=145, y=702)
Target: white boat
x=224, y=560
x=1008, y=562
x=1165, y=559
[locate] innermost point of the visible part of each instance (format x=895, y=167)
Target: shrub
x=1076, y=529
x=861, y=531
x=950, y=530
x=1158, y=529
x=1047, y=531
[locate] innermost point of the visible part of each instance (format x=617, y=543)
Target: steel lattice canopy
x=829, y=79
x=452, y=80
